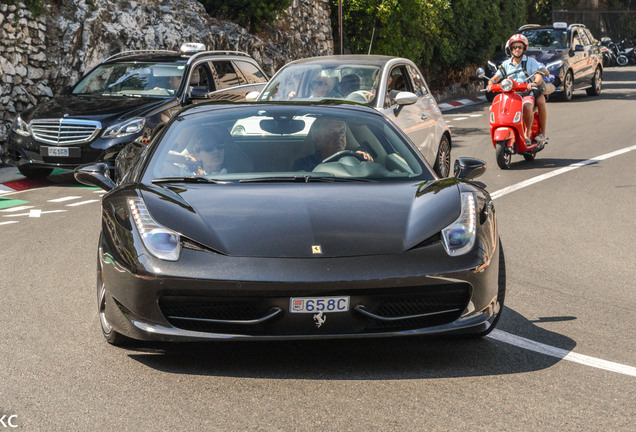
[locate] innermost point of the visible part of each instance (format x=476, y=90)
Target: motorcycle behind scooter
x=507, y=129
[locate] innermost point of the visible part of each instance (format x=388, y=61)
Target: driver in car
x=330, y=137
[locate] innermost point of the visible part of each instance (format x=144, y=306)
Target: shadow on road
x=361, y=359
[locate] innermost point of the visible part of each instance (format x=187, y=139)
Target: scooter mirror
x=480, y=73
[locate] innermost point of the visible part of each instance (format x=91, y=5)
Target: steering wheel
x=343, y=153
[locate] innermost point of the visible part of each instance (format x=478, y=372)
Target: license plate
x=317, y=304
x=58, y=151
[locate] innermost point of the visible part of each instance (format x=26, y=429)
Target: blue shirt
x=516, y=72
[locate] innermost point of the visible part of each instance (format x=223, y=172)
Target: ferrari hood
x=306, y=220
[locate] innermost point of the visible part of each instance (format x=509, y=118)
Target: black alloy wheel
x=111, y=336
x=443, y=159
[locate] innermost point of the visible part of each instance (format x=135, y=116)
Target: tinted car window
x=418, y=82
x=251, y=73
x=226, y=74
x=546, y=38
x=132, y=79
x=200, y=78
x=252, y=142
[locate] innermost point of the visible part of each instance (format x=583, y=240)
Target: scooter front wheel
x=503, y=157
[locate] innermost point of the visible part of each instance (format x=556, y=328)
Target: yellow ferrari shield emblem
x=316, y=250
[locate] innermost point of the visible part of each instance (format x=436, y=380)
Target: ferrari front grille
x=64, y=131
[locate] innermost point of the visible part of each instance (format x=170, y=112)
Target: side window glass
x=576, y=40
x=200, y=78
x=251, y=72
x=225, y=73
x=397, y=82
x=583, y=37
x=419, y=88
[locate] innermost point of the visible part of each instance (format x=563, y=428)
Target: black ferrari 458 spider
x=292, y=220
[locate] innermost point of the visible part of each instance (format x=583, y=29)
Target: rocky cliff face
x=39, y=57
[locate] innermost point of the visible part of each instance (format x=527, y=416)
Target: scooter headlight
x=506, y=85
x=459, y=237
x=160, y=241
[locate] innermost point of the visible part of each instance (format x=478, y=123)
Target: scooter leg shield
x=503, y=134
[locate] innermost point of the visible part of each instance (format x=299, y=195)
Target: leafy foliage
x=437, y=34
x=251, y=14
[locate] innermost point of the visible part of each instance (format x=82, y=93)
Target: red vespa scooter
x=507, y=129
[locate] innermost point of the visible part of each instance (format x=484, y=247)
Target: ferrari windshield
x=134, y=79
x=282, y=142
x=547, y=38
x=311, y=81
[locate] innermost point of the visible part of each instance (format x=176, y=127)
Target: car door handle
x=424, y=117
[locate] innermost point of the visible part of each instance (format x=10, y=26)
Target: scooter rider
x=519, y=67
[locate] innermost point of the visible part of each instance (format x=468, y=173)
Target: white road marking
x=66, y=198
x=559, y=353
x=35, y=213
x=8, y=222
x=460, y=118
x=101, y=192
x=15, y=209
x=537, y=179
x=81, y=203
x=29, y=214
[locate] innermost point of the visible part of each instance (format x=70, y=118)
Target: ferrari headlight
x=20, y=127
x=506, y=85
x=128, y=127
x=160, y=241
x=459, y=237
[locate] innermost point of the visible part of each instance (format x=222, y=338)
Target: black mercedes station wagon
x=125, y=99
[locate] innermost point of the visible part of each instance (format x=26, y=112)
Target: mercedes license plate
x=58, y=151
x=317, y=304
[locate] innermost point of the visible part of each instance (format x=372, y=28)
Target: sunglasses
x=321, y=83
x=516, y=47
x=210, y=148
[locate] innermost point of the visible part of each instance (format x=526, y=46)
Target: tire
x=501, y=296
x=34, y=173
x=529, y=156
x=597, y=82
x=442, y=161
x=622, y=60
x=568, y=87
x=111, y=336
x=503, y=158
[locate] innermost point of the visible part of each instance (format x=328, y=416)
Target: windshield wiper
x=186, y=179
x=303, y=179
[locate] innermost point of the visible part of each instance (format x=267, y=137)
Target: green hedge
x=439, y=35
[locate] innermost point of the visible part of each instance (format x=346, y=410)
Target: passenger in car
x=330, y=137
x=320, y=88
x=347, y=85
x=206, y=153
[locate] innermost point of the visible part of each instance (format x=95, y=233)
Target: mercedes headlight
x=160, y=241
x=506, y=85
x=128, y=127
x=554, y=66
x=20, y=127
x=459, y=237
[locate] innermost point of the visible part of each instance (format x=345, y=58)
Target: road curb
x=446, y=106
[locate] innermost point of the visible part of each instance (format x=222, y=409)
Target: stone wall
x=41, y=56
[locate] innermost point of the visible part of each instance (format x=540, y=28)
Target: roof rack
x=576, y=25
x=528, y=26
x=134, y=52
x=219, y=52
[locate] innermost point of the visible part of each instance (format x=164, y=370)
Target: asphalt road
x=563, y=357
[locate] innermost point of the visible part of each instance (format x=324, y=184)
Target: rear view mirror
x=198, y=93
x=95, y=175
x=469, y=168
x=252, y=96
x=282, y=127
